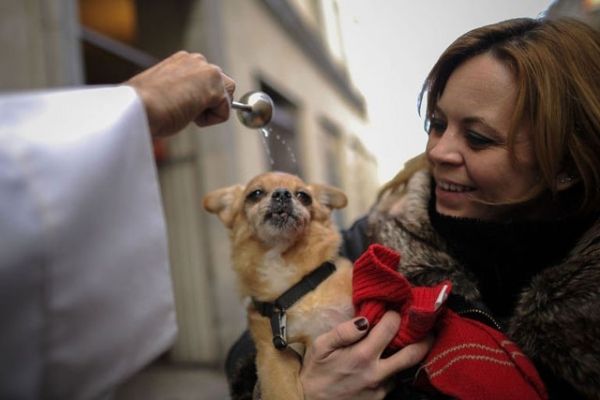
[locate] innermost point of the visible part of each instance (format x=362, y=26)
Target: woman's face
x=467, y=145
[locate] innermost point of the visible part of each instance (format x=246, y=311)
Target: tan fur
x=268, y=260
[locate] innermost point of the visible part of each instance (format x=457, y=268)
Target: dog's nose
x=281, y=195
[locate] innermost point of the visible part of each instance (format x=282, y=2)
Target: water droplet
x=265, y=133
x=264, y=136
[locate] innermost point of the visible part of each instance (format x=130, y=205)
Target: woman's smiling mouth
x=454, y=187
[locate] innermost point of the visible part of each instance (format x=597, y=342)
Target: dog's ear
x=222, y=202
x=329, y=196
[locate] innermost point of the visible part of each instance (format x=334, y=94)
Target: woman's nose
x=445, y=148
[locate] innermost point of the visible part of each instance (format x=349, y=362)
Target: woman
x=504, y=203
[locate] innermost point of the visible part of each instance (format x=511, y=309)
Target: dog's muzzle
x=281, y=209
x=281, y=196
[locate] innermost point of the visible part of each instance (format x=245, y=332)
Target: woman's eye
x=255, y=195
x=304, y=198
x=478, y=141
x=435, y=125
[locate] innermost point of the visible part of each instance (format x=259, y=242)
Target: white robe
x=85, y=292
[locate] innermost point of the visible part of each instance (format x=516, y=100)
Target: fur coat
x=557, y=318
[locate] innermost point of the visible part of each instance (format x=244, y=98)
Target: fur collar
x=557, y=317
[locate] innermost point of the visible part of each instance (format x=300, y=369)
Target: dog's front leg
x=278, y=370
x=278, y=374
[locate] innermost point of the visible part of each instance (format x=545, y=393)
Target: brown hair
x=556, y=64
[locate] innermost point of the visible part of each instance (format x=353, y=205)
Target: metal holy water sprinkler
x=255, y=109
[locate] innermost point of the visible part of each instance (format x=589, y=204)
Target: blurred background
x=344, y=76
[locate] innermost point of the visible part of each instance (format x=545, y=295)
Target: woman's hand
x=183, y=88
x=340, y=365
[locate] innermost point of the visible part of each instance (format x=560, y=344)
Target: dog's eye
x=255, y=195
x=304, y=198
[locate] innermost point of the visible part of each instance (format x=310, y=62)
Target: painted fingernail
x=361, y=324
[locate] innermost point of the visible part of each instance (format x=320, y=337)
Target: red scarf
x=468, y=360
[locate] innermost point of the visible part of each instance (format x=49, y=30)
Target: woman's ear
x=565, y=180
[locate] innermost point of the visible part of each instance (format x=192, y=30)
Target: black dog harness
x=276, y=310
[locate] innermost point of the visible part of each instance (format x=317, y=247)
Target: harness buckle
x=278, y=326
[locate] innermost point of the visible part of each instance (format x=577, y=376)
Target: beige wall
x=253, y=46
x=39, y=44
x=249, y=44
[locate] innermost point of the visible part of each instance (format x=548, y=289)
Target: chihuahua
x=285, y=254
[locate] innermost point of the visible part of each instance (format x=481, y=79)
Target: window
x=109, y=32
x=120, y=37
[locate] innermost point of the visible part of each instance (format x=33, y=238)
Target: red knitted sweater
x=468, y=360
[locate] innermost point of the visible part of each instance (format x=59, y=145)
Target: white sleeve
x=85, y=291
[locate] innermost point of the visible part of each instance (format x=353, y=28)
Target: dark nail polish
x=361, y=324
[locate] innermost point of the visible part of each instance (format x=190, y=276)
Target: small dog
x=281, y=231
